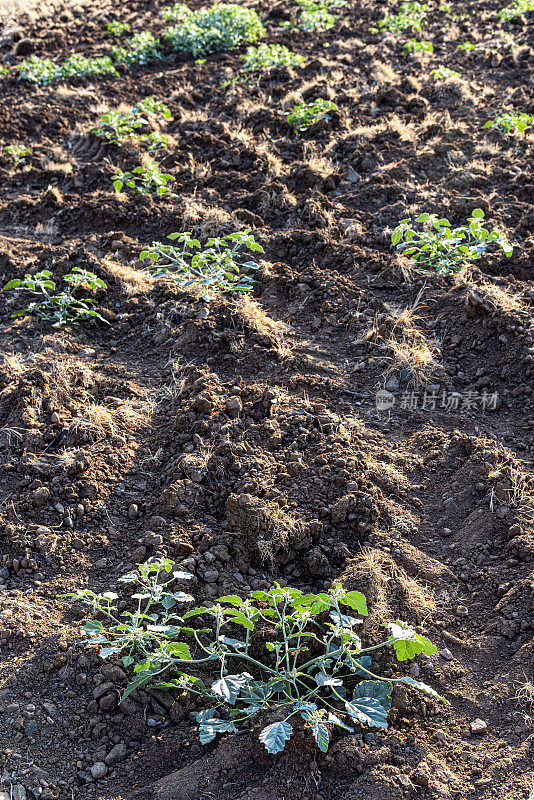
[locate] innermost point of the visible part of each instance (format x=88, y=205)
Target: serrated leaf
x=380, y=690
x=344, y=620
x=356, y=601
x=368, y=711
x=275, y=736
x=233, y=599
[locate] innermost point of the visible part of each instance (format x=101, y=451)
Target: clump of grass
x=515, y=9
x=141, y=49
x=414, y=46
x=212, y=30
x=411, y=15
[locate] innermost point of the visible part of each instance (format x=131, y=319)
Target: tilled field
x=217, y=432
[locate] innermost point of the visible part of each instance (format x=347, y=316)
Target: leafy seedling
x=442, y=73
x=59, y=307
x=147, y=178
x=442, y=248
x=510, y=123
x=224, y=26
x=297, y=654
x=413, y=46
x=304, y=115
x=117, y=28
x=218, y=267
x=411, y=15
x=17, y=153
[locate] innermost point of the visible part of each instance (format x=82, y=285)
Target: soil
x=182, y=426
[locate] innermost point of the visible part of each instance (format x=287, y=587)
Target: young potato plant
x=147, y=178
x=17, y=153
x=411, y=15
x=117, y=128
x=516, y=9
x=261, y=59
x=315, y=15
x=117, y=28
x=224, y=26
x=467, y=47
x=441, y=73
x=42, y=71
x=178, y=11
x=510, y=124
x=413, y=46
x=141, y=49
x=304, y=115
x=59, y=307
x=217, y=267
x=298, y=654
x=442, y=248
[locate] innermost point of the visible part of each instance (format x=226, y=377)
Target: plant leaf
x=229, y=687
x=380, y=690
x=275, y=736
x=368, y=711
x=321, y=736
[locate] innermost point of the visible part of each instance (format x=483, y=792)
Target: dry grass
x=255, y=318
x=405, y=345
x=196, y=464
x=98, y=422
x=132, y=281
x=388, y=586
x=207, y=221
x=275, y=528
x=46, y=230
x=173, y=390
x=69, y=377
x=514, y=485
x=503, y=299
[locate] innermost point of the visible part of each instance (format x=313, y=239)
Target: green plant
x=147, y=178
x=515, y=9
x=175, y=12
x=60, y=308
x=442, y=248
x=117, y=28
x=304, y=115
x=411, y=15
x=299, y=654
x=116, y=128
x=510, y=123
x=211, y=30
x=441, y=73
x=467, y=47
x=317, y=14
x=141, y=49
x=413, y=46
x=43, y=71
x=17, y=153
x=217, y=267
x=268, y=56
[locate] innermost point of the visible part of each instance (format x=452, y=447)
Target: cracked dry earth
x=185, y=428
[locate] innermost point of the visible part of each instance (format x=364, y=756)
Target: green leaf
x=233, y=599
x=335, y=720
x=380, y=690
x=396, y=236
x=240, y=619
x=12, y=284
x=229, y=687
x=422, y=217
x=209, y=730
x=178, y=650
x=368, y=711
x=321, y=736
x=478, y=213
x=321, y=679
x=356, y=601
x=275, y=736
x=194, y=612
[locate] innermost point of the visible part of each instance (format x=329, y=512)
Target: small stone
x=478, y=726
x=461, y=611
x=211, y=575
x=446, y=532
x=55, y=419
x=233, y=407
x=77, y=544
x=133, y=511
x=421, y=775
x=98, y=770
x=440, y=735
x=116, y=754
x=446, y=654
x=40, y=496
x=18, y=792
